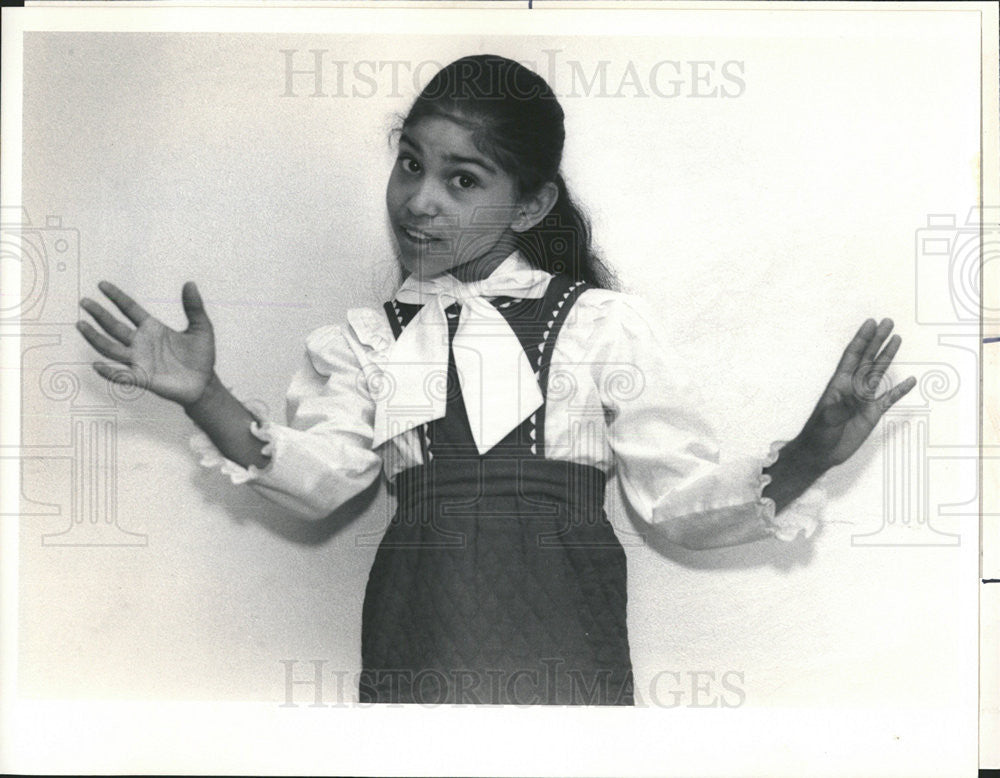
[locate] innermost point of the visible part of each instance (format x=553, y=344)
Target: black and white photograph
x=500, y=389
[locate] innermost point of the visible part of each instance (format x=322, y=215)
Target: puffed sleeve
x=323, y=456
x=665, y=453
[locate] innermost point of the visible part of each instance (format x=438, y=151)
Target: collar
x=510, y=278
x=499, y=386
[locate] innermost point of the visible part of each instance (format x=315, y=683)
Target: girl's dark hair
x=517, y=121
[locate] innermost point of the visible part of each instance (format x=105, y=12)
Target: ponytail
x=561, y=243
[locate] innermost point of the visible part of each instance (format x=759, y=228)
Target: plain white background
x=766, y=227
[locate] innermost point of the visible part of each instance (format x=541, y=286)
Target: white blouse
x=617, y=399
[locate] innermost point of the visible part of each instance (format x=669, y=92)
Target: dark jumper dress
x=499, y=579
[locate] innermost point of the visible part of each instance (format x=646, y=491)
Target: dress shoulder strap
x=559, y=299
x=399, y=315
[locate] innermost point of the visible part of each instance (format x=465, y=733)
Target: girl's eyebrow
x=478, y=161
x=404, y=138
x=455, y=159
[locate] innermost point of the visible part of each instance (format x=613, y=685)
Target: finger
x=881, y=333
x=890, y=398
x=194, y=307
x=111, y=325
x=856, y=348
x=117, y=374
x=868, y=378
x=883, y=360
x=103, y=344
x=135, y=312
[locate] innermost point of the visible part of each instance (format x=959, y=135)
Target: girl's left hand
x=848, y=410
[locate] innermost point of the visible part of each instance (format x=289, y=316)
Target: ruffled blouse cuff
x=802, y=515
x=209, y=456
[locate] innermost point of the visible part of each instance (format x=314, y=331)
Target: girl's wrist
x=209, y=395
x=806, y=460
x=795, y=470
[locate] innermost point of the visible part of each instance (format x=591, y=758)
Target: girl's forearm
x=227, y=422
x=792, y=473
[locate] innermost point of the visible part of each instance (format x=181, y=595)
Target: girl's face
x=450, y=206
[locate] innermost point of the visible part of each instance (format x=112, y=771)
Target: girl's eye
x=465, y=181
x=409, y=164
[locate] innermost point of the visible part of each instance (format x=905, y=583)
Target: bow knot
x=499, y=386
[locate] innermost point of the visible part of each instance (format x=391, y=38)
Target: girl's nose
x=425, y=200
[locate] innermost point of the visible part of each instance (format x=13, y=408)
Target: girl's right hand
x=175, y=365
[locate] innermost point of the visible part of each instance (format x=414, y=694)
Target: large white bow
x=498, y=383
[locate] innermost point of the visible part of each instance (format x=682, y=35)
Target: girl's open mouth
x=418, y=236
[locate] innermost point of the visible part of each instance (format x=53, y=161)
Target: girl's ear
x=535, y=208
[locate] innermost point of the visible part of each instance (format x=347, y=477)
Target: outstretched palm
x=175, y=365
x=849, y=409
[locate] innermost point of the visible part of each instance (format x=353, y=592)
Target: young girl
x=497, y=391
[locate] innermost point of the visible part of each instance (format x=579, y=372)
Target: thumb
x=194, y=308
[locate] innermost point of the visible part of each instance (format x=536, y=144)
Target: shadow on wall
x=779, y=554
x=281, y=521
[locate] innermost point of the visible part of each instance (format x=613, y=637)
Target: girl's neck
x=483, y=266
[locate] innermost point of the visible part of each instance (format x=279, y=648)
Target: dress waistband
x=532, y=479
